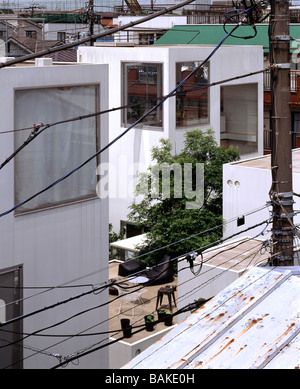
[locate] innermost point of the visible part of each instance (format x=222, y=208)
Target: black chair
x=130, y=266
x=162, y=273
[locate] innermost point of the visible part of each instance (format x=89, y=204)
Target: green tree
x=172, y=218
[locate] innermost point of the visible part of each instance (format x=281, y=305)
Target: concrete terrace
x=149, y=300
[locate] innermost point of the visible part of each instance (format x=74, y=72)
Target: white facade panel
x=63, y=245
x=132, y=153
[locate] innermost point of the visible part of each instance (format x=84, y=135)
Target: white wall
x=246, y=189
x=123, y=352
x=159, y=23
x=207, y=284
x=57, y=245
x=135, y=146
x=51, y=29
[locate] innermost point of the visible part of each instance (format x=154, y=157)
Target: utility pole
x=91, y=18
x=281, y=192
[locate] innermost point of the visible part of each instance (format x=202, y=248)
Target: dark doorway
x=11, y=306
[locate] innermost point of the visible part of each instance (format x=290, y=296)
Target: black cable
x=210, y=280
x=124, y=132
x=94, y=37
x=179, y=258
x=39, y=128
x=85, y=312
x=188, y=307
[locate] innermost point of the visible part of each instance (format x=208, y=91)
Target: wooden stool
x=169, y=291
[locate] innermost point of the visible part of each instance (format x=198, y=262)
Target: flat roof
x=264, y=162
x=237, y=255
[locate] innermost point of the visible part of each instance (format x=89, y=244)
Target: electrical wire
x=94, y=37
x=186, y=308
x=213, y=278
x=183, y=80
x=217, y=306
x=124, y=132
x=107, y=285
x=94, y=290
x=37, y=129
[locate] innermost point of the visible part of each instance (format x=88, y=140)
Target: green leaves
x=168, y=217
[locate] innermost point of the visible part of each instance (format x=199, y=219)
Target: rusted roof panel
x=249, y=325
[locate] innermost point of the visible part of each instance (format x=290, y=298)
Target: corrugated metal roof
x=211, y=34
x=253, y=323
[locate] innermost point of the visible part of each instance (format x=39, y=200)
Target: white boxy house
x=234, y=110
x=54, y=248
x=246, y=186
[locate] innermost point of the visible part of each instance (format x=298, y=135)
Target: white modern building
x=147, y=32
x=54, y=248
x=217, y=268
x=246, y=186
x=234, y=110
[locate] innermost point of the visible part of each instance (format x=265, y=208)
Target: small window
x=192, y=107
x=146, y=39
x=61, y=36
x=142, y=85
x=2, y=34
x=31, y=34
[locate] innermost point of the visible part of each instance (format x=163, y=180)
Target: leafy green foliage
x=168, y=218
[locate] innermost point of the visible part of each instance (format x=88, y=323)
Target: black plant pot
x=149, y=323
x=126, y=328
x=161, y=315
x=168, y=320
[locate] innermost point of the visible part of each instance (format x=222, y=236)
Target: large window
x=142, y=85
x=239, y=117
x=59, y=149
x=192, y=106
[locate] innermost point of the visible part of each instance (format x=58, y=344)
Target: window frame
x=124, y=93
x=31, y=34
x=69, y=201
x=178, y=72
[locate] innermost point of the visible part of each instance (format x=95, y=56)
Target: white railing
x=293, y=80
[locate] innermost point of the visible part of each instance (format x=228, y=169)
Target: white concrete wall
x=246, y=189
x=159, y=23
x=135, y=147
x=210, y=281
x=51, y=29
x=59, y=244
x=122, y=352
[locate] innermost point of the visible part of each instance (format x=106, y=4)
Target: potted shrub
x=161, y=314
x=126, y=328
x=149, y=321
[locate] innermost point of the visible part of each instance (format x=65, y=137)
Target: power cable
x=94, y=290
x=94, y=37
x=37, y=129
x=217, y=306
x=188, y=307
x=107, y=285
x=124, y=132
x=210, y=280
